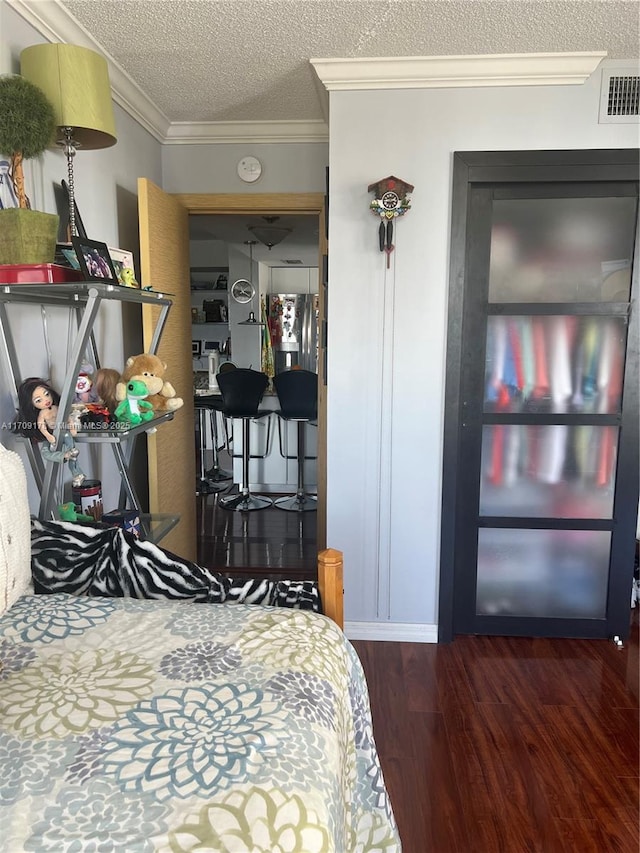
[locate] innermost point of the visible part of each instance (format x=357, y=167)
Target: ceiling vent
x=620, y=94
x=291, y=261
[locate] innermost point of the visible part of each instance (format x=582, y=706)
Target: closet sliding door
x=547, y=405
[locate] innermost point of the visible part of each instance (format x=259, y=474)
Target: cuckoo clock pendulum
x=391, y=200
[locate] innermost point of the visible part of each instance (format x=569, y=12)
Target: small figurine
x=38, y=418
x=128, y=277
x=135, y=409
x=85, y=391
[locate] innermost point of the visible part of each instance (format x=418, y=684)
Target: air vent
x=620, y=95
x=291, y=261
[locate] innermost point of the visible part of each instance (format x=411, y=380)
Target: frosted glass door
x=561, y=250
x=560, y=573
x=547, y=454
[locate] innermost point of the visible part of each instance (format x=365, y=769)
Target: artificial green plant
x=27, y=127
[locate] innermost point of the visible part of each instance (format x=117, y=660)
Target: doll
x=85, y=391
x=38, y=418
x=106, y=380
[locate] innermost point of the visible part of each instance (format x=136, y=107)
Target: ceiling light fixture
x=270, y=235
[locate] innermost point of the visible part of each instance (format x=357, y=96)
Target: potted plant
x=27, y=127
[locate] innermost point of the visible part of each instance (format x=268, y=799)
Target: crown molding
x=435, y=72
x=56, y=24
x=215, y=132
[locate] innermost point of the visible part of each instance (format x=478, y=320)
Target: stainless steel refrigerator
x=293, y=325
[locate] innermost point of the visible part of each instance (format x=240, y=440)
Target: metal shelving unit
x=85, y=299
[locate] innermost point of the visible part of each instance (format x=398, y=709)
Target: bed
x=129, y=725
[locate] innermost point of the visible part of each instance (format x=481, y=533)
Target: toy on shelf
x=68, y=512
x=150, y=369
x=37, y=419
x=85, y=391
x=78, y=410
x=128, y=277
x=95, y=415
x=106, y=383
x=135, y=408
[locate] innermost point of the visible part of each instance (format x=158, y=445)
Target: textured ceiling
x=248, y=60
x=227, y=61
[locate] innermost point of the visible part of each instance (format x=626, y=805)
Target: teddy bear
x=150, y=369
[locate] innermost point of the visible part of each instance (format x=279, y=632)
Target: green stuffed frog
x=68, y=512
x=134, y=409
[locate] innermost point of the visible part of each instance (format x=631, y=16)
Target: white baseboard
x=392, y=632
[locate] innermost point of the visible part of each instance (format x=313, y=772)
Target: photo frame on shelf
x=66, y=256
x=61, y=196
x=95, y=261
x=123, y=260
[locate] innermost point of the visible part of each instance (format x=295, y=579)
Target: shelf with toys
x=84, y=299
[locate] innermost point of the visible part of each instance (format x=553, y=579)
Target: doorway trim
x=312, y=204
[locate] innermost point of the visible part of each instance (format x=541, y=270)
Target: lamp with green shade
x=76, y=82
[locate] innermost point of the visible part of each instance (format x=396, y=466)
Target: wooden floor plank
x=487, y=744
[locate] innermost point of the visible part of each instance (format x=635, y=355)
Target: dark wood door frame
x=475, y=168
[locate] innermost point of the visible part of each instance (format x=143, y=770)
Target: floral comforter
x=133, y=725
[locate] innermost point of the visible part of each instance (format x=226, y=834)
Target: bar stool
x=242, y=390
x=216, y=479
x=298, y=395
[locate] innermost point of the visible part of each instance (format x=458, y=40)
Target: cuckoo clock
x=391, y=200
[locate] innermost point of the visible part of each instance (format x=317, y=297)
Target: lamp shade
x=269, y=235
x=76, y=82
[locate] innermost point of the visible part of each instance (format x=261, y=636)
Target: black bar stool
x=298, y=396
x=215, y=479
x=242, y=390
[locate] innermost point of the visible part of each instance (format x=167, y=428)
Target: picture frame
x=66, y=256
x=61, y=196
x=121, y=259
x=95, y=261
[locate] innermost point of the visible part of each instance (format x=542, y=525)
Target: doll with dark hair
x=38, y=418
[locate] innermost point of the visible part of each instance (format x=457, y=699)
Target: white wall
x=286, y=168
x=386, y=352
x=106, y=192
x=386, y=327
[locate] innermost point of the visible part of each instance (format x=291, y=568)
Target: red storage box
x=37, y=274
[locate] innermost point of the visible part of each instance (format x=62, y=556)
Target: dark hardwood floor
x=488, y=744
x=239, y=542
x=509, y=745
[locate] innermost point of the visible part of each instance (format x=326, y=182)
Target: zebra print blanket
x=96, y=560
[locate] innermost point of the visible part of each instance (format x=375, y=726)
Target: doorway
x=282, y=204
x=540, y=491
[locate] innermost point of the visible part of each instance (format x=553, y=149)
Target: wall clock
x=392, y=200
x=249, y=169
x=243, y=291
